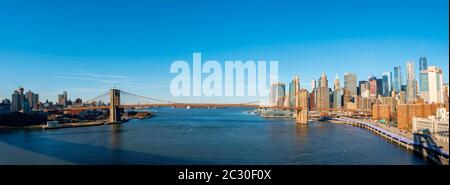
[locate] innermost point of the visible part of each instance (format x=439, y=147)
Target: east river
x=204, y=136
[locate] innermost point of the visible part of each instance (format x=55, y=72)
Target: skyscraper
x=379, y=87
x=33, y=99
x=16, y=104
x=294, y=88
x=323, y=93
x=364, y=88
x=435, y=85
x=350, y=83
x=397, y=79
x=423, y=79
x=385, y=84
x=337, y=83
x=373, y=90
x=391, y=83
x=19, y=101
x=313, y=85
x=337, y=99
x=62, y=98
x=423, y=63
x=277, y=94
x=410, y=82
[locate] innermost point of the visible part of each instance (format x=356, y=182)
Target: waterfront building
x=397, y=79
x=381, y=112
x=437, y=126
x=435, y=85
x=350, y=81
x=323, y=94
x=411, y=84
x=406, y=112
x=277, y=94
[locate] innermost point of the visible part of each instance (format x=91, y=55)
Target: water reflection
x=203, y=136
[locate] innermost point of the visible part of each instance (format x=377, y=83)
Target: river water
x=204, y=136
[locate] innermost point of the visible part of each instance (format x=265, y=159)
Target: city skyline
x=88, y=54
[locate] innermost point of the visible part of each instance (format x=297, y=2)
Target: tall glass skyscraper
x=385, y=84
x=423, y=63
x=423, y=79
x=397, y=79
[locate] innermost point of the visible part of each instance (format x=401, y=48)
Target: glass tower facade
x=397, y=79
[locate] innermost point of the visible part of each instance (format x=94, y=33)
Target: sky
x=86, y=47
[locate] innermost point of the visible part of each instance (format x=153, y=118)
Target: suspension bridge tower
x=114, y=106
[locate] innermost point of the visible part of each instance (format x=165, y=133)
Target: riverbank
x=431, y=152
x=65, y=125
x=137, y=116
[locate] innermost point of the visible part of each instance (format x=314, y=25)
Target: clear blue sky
x=88, y=46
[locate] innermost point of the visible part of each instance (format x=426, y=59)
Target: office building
x=277, y=94
x=62, y=98
x=435, y=85
x=411, y=83
x=373, y=89
x=385, y=84
x=323, y=94
x=350, y=82
x=423, y=63
x=397, y=79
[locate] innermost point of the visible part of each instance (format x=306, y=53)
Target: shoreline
x=76, y=124
x=419, y=149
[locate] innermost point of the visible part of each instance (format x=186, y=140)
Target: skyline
x=73, y=49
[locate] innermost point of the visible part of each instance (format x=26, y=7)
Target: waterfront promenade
x=408, y=140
